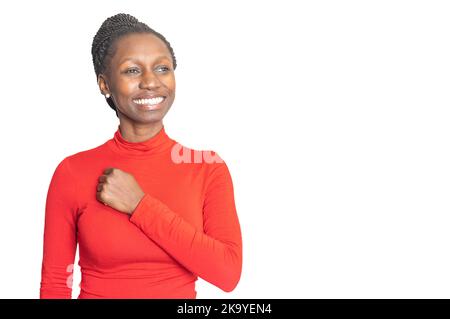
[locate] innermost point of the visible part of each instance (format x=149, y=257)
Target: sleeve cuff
x=150, y=214
x=140, y=209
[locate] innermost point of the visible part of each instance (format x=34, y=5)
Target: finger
x=100, y=198
x=99, y=187
x=108, y=170
x=98, y=195
x=102, y=179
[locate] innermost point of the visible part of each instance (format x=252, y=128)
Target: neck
x=135, y=133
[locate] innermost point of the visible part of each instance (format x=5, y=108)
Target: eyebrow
x=161, y=57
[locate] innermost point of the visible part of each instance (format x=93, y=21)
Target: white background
x=333, y=117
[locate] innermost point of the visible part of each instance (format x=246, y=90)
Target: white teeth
x=153, y=101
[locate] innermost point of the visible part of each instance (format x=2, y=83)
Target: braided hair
x=112, y=29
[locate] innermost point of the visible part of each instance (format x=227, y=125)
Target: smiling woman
x=147, y=224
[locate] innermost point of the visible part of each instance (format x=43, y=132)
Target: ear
x=101, y=81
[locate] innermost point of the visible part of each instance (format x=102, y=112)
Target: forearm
x=215, y=258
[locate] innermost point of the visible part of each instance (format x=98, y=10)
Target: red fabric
x=185, y=226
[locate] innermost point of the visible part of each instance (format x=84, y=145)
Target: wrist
x=136, y=203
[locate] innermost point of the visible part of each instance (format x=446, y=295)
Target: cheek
x=126, y=87
x=170, y=84
x=125, y=90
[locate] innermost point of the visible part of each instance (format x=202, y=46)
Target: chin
x=145, y=116
x=150, y=118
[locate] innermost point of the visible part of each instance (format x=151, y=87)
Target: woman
x=148, y=214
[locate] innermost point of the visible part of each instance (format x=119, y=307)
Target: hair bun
x=121, y=19
x=111, y=25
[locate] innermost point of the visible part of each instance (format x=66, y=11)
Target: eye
x=132, y=70
x=163, y=68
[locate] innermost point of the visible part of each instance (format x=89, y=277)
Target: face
x=140, y=78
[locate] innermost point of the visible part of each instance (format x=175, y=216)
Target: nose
x=149, y=81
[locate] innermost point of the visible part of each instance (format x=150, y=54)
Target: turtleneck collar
x=157, y=144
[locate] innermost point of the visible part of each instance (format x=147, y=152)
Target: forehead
x=140, y=46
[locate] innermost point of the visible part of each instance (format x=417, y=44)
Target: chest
x=106, y=236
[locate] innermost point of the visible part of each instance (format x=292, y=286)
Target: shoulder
x=85, y=157
x=85, y=154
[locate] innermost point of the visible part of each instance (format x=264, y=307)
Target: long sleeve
x=214, y=254
x=59, y=235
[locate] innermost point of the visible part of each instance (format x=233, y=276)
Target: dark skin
x=141, y=66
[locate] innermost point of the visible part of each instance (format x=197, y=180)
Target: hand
x=119, y=190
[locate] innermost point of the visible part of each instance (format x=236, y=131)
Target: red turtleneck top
x=185, y=226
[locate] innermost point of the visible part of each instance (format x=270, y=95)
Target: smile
x=150, y=104
x=152, y=101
